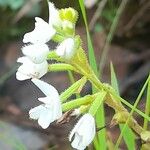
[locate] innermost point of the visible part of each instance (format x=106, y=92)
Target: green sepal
x=74, y=88
x=97, y=102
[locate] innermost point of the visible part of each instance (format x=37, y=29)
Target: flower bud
x=66, y=49
x=69, y=14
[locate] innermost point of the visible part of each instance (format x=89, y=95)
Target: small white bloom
x=51, y=109
x=66, y=49
x=36, y=52
x=42, y=33
x=83, y=133
x=28, y=69
x=54, y=18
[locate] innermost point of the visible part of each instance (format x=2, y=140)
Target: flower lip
x=36, y=52
x=28, y=69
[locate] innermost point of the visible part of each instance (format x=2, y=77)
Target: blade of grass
x=97, y=13
x=147, y=107
x=133, y=109
x=130, y=106
x=110, y=36
x=100, y=118
x=91, y=54
x=128, y=134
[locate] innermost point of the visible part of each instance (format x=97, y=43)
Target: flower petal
x=36, y=52
x=35, y=112
x=66, y=49
x=83, y=132
x=42, y=33
x=21, y=77
x=54, y=18
x=45, y=118
x=28, y=69
x=46, y=88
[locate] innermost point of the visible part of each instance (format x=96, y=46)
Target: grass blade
x=110, y=35
x=91, y=54
x=128, y=134
x=147, y=107
x=100, y=118
x=133, y=109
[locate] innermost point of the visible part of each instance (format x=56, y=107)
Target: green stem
x=78, y=102
x=116, y=105
x=74, y=88
x=60, y=67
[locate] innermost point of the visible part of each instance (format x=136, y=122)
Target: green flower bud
x=69, y=14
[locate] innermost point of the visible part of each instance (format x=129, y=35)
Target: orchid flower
x=28, y=69
x=43, y=31
x=36, y=52
x=66, y=48
x=83, y=133
x=50, y=110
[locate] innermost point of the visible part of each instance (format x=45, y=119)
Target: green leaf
x=115, y=96
x=97, y=103
x=92, y=58
x=128, y=134
x=133, y=109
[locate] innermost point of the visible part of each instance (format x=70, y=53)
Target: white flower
x=28, y=69
x=36, y=52
x=42, y=33
x=66, y=49
x=54, y=18
x=51, y=109
x=83, y=133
